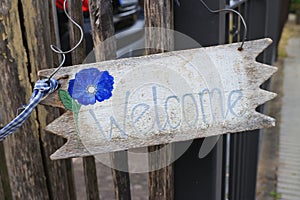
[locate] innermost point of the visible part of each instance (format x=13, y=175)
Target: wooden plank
x=53, y=18
x=66, y=166
x=159, y=21
x=22, y=149
x=101, y=12
x=159, y=14
x=78, y=56
x=75, y=12
x=1, y=190
x=121, y=179
x=91, y=184
x=224, y=80
x=161, y=181
x=5, y=191
x=37, y=24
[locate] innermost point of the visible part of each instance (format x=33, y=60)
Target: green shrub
x=295, y=5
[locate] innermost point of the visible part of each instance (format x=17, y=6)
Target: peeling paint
x=180, y=82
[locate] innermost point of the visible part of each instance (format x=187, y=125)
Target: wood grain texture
x=78, y=56
x=5, y=191
x=22, y=149
x=25, y=50
x=159, y=14
x=159, y=21
x=90, y=178
x=1, y=190
x=240, y=74
x=75, y=12
x=53, y=19
x=161, y=182
x=101, y=14
x=121, y=179
x=38, y=37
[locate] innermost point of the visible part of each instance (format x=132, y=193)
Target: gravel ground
x=269, y=155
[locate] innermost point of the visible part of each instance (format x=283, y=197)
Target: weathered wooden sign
x=175, y=96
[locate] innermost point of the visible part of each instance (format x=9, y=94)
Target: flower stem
x=76, y=127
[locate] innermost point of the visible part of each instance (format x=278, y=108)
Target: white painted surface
x=169, y=97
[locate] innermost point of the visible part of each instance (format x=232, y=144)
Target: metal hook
x=61, y=63
x=234, y=11
x=58, y=50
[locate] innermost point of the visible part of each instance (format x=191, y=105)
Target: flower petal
x=87, y=77
x=71, y=86
x=96, y=78
x=87, y=99
x=75, y=89
x=103, y=94
x=104, y=87
x=106, y=77
x=103, y=81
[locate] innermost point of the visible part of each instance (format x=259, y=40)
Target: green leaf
x=275, y=195
x=66, y=99
x=68, y=102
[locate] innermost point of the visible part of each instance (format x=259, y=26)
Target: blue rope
x=42, y=88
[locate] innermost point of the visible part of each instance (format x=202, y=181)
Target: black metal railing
x=234, y=159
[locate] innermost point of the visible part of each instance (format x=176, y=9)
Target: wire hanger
x=226, y=10
x=58, y=50
x=234, y=11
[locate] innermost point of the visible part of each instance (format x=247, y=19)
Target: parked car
x=125, y=14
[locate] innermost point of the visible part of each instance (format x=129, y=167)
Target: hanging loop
x=58, y=50
x=234, y=11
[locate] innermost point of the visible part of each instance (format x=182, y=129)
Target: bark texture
x=159, y=21
x=101, y=14
x=25, y=30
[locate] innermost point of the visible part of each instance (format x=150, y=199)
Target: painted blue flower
x=90, y=85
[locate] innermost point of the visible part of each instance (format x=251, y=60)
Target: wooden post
x=23, y=157
x=101, y=13
x=38, y=29
x=75, y=11
x=78, y=56
x=5, y=191
x=53, y=19
x=1, y=190
x=25, y=50
x=38, y=36
x=159, y=13
x=120, y=178
x=69, y=173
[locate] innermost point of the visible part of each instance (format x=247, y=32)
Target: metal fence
x=26, y=172
x=230, y=170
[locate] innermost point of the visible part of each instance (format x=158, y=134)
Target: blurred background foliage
x=295, y=6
